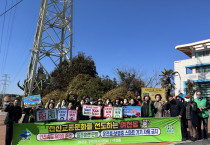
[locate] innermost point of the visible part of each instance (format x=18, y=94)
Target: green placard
x=107, y=131
x=118, y=112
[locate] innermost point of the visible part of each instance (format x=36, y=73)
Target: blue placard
x=32, y=101
x=131, y=111
x=62, y=115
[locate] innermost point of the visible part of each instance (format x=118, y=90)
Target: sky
x=139, y=34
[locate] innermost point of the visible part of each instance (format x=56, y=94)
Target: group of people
x=191, y=112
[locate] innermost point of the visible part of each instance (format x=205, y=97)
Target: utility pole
x=52, y=41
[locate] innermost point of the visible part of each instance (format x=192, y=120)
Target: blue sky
x=140, y=34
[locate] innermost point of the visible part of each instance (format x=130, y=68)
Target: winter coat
x=176, y=107
x=13, y=115
x=147, y=109
x=159, y=109
x=191, y=113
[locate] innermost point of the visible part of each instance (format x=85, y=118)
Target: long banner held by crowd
x=107, y=131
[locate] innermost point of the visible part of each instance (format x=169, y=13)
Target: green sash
x=150, y=110
x=201, y=104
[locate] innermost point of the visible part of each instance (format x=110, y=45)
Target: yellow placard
x=152, y=92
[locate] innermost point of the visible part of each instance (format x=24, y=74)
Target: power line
x=11, y=8
x=8, y=40
x=2, y=31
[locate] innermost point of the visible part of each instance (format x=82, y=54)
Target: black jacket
x=176, y=108
x=145, y=109
x=117, y=105
x=13, y=115
x=191, y=112
x=75, y=103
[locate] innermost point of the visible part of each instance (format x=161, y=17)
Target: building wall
x=180, y=66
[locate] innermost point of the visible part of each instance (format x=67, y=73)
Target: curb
x=188, y=142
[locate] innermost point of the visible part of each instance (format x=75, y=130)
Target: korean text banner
x=91, y=110
x=32, y=101
x=45, y=115
x=62, y=115
x=152, y=92
x=107, y=131
x=118, y=112
x=108, y=112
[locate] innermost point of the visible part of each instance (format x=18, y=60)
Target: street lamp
x=179, y=82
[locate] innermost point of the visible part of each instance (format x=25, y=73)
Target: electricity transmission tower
x=52, y=41
x=5, y=84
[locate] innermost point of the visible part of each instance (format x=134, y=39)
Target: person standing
x=125, y=102
x=191, y=116
x=177, y=110
x=158, y=106
x=147, y=108
x=132, y=102
x=13, y=115
x=117, y=102
x=139, y=102
x=203, y=114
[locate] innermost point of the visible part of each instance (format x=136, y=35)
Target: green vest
x=201, y=104
x=150, y=110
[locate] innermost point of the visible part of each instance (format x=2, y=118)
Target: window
x=202, y=53
x=188, y=70
x=203, y=69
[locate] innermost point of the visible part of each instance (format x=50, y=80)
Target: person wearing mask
x=176, y=108
x=100, y=103
x=121, y=102
x=117, y=102
x=48, y=102
x=80, y=116
x=147, y=108
x=110, y=104
x=87, y=101
x=29, y=115
x=82, y=102
x=13, y=115
x=107, y=101
x=158, y=104
x=70, y=106
x=125, y=102
x=61, y=105
x=178, y=98
x=139, y=101
x=191, y=116
x=203, y=114
x=51, y=106
x=75, y=102
x=132, y=102
x=92, y=101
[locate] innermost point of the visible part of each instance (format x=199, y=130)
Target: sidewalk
x=202, y=142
